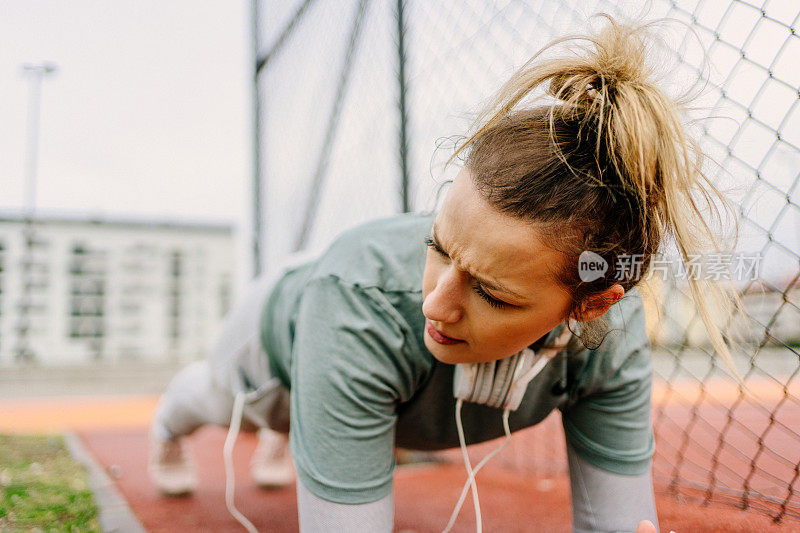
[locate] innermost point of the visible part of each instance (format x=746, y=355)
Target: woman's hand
x=646, y=526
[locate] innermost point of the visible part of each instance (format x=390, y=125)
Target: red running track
x=424, y=495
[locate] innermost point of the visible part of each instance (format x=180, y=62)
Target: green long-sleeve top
x=344, y=333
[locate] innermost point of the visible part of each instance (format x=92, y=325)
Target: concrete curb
x=115, y=516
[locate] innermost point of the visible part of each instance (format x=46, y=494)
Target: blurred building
x=75, y=290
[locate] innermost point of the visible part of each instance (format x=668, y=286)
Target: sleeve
x=602, y=501
x=348, y=373
x=607, y=417
x=321, y=516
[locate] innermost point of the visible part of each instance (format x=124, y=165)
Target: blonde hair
x=606, y=165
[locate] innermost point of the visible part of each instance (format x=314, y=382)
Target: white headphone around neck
x=497, y=384
x=503, y=383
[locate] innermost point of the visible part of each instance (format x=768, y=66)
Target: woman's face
x=492, y=288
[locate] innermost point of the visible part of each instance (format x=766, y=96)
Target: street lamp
x=35, y=73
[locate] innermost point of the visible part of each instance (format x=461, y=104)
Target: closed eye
x=494, y=302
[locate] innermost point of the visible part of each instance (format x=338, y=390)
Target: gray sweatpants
x=203, y=392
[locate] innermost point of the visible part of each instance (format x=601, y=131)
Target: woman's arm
x=607, y=426
x=321, y=516
x=604, y=501
x=349, y=372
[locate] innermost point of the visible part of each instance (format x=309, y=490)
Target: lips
x=439, y=337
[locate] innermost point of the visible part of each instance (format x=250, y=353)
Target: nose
x=443, y=303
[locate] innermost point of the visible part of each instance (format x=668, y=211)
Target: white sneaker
x=170, y=468
x=271, y=465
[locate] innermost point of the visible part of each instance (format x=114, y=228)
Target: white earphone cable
x=227, y=453
x=471, y=478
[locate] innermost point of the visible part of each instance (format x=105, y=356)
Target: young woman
x=356, y=350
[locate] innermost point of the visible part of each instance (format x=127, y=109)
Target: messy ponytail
x=602, y=163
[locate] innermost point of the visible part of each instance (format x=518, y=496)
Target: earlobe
x=588, y=314
x=598, y=305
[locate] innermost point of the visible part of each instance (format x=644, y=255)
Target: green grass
x=43, y=488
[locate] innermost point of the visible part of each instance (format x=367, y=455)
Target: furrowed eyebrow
x=488, y=284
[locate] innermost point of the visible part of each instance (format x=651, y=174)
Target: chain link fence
x=361, y=102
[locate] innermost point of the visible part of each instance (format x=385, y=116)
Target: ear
x=598, y=304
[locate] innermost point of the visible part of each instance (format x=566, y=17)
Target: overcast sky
x=147, y=114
